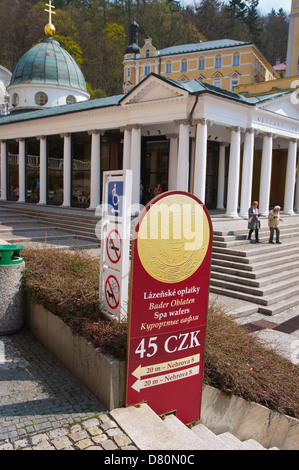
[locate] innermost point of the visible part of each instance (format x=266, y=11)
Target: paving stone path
x=44, y=407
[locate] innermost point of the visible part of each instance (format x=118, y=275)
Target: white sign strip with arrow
x=165, y=378
x=165, y=366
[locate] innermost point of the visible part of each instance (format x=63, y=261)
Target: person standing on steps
x=254, y=221
x=273, y=222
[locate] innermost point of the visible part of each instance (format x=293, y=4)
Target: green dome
x=48, y=63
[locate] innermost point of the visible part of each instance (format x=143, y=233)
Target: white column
x=43, y=170
x=297, y=190
x=67, y=169
x=3, y=171
x=200, y=164
x=127, y=149
x=221, y=177
x=22, y=170
x=95, y=171
x=247, y=172
x=265, y=178
x=173, y=162
x=233, y=174
x=290, y=178
x=136, y=163
x=183, y=157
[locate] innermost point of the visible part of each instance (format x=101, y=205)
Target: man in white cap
x=273, y=222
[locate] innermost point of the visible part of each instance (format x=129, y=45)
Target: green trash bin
x=11, y=292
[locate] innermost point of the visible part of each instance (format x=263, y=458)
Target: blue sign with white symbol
x=115, y=196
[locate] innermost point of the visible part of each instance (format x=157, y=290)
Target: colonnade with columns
x=238, y=191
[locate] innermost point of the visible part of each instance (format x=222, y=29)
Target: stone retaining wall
x=103, y=375
x=247, y=420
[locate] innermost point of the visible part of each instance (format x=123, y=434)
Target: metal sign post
x=115, y=243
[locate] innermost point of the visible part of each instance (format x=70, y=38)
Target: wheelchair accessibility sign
x=115, y=197
x=115, y=246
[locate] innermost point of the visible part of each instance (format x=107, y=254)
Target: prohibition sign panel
x=112, y=292
x=113, y=246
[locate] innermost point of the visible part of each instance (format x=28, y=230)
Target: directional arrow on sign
x=165, y=366
x=165, y=378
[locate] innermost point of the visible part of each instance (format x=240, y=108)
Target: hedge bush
x=67, y=284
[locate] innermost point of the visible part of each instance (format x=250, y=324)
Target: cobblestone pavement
x=44, y=407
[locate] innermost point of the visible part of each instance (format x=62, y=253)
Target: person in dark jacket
x=254, y=221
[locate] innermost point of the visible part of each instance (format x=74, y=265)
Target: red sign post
x=169, y=290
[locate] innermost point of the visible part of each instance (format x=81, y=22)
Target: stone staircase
x=263, y=274
x=149, y=432
x=23, y=223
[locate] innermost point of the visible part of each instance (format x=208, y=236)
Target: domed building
x=46, y=76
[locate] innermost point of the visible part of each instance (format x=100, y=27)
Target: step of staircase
x=33, y=225
x=149, y=432
x=262, y=275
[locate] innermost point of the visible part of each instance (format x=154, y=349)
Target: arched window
x=41, y=98
x=71, y=99
x=147, y=53
x=184, y=65
x=217, y=80
x=218, y=62
x=168, y=67
x=236, y=59
x=234, y=81
x=15, y=100
x=201, y=63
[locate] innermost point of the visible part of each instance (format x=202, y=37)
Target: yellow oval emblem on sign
x=173, y=238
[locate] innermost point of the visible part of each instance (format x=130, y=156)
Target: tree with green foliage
x=95, y=32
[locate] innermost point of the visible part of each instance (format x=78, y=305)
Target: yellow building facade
x=223, y=63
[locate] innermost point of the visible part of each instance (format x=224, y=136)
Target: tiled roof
x=201, y=46
x=60, y=110
x=192, y=87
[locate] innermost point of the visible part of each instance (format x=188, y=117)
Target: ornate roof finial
x=50, y=28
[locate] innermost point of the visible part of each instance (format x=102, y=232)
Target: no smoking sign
x=113, y=246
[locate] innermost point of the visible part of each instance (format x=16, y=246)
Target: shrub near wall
x=67, y=284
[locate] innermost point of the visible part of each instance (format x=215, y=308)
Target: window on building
x=147, y=69
x=184, y=66
x=15, y=100
x=147, y=53
x=201, y=63
x=128, y=72
x=201, y=78
x=217, y=80
x=71, y=99
x=218, y=62
x=168, y=67
x=234, y=82
x=236, y=60
x=41, y=98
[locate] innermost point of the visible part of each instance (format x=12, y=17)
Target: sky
x=265, y=6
